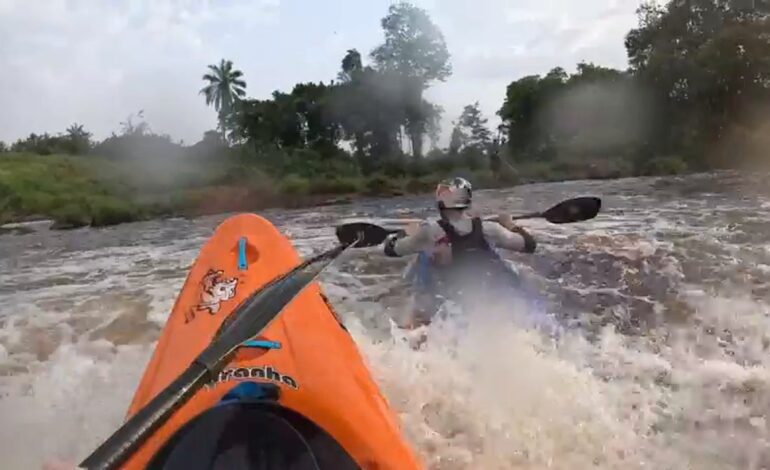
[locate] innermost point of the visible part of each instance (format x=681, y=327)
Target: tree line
x=697, y=91
x=695, y=96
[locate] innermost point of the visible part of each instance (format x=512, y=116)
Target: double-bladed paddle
x=572, y=210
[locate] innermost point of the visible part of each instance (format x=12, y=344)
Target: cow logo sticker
x=215, y=289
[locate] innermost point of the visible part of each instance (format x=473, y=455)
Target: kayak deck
x=306, y=357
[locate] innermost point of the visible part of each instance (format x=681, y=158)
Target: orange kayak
x=298, y=396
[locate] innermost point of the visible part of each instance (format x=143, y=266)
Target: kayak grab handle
x=261, y=343
x=243, y=262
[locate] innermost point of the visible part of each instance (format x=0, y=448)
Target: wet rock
x=82, y=324
x=335, y=201
x=678, y=311
x=8, y=370
x=38, y=342
x=16, y=230
x=132, y=327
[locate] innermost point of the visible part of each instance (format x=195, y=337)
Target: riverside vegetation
x=695, y=97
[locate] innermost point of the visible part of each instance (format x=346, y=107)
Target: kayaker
x=456, y=249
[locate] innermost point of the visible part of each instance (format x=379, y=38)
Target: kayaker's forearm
x=403, y=244
x=529, y=242
x=407, y=245
x=510, y=237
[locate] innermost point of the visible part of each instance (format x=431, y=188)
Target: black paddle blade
x=573, y=210
x=372, y=235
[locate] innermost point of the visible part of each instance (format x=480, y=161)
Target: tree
x=3, y=147
x=456, y=141
x=433, y=114
x=79, y=138
x=301, y=119
x=351, y=66
x=269, y=122
x=593, y=110
x=225, y=88
x=129, y=128
x=589, y=72
x=319, y=128
x=414, y=46
x=707, y=62
x=212, y=138
x=475, y=126
x=369, y=109
x=74, y=141
x=524, y=100
x=471, y=138
x=415, y=51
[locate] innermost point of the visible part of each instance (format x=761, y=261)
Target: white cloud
x=496, y=41
x=97, y=62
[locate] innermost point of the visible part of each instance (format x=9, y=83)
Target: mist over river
x=663, y=364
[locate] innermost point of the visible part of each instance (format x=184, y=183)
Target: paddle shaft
x=488, y=218
x=247, y=321
x=569, y=211
x=588, y=206
x=533, y=215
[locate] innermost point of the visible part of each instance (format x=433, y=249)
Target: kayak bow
x=284, y=334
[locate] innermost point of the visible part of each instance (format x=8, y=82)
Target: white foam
x=68, y=404
x=485, y=394
x=494, y=396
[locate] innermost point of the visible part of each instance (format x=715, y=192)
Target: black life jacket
x=473, y=259
x=466, y=248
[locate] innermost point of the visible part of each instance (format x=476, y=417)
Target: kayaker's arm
x=507, y=235
x=401, y=244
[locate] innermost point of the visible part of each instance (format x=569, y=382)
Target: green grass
x=380, y=185
x=77, y=190
x=423, y=184
x=70, y=216
x=295, y=185
x=670, y=165
x=335, y=185
x=64, y=188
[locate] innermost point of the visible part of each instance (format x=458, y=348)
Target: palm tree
x=225, y=87
x=79, y=138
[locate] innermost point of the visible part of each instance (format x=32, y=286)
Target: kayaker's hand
x=529, y=242
x=396, y=235
x=390, y=243
x=506, y=220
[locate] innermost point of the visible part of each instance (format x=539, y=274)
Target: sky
x=96, y=62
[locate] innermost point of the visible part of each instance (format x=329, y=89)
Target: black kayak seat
x=243, y=434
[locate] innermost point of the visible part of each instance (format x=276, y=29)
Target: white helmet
x=454, y=193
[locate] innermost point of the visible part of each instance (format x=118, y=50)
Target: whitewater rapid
x=663, y=363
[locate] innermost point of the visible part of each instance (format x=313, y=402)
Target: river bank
x=77, y=191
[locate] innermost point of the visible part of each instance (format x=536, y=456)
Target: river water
x=663, y=362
